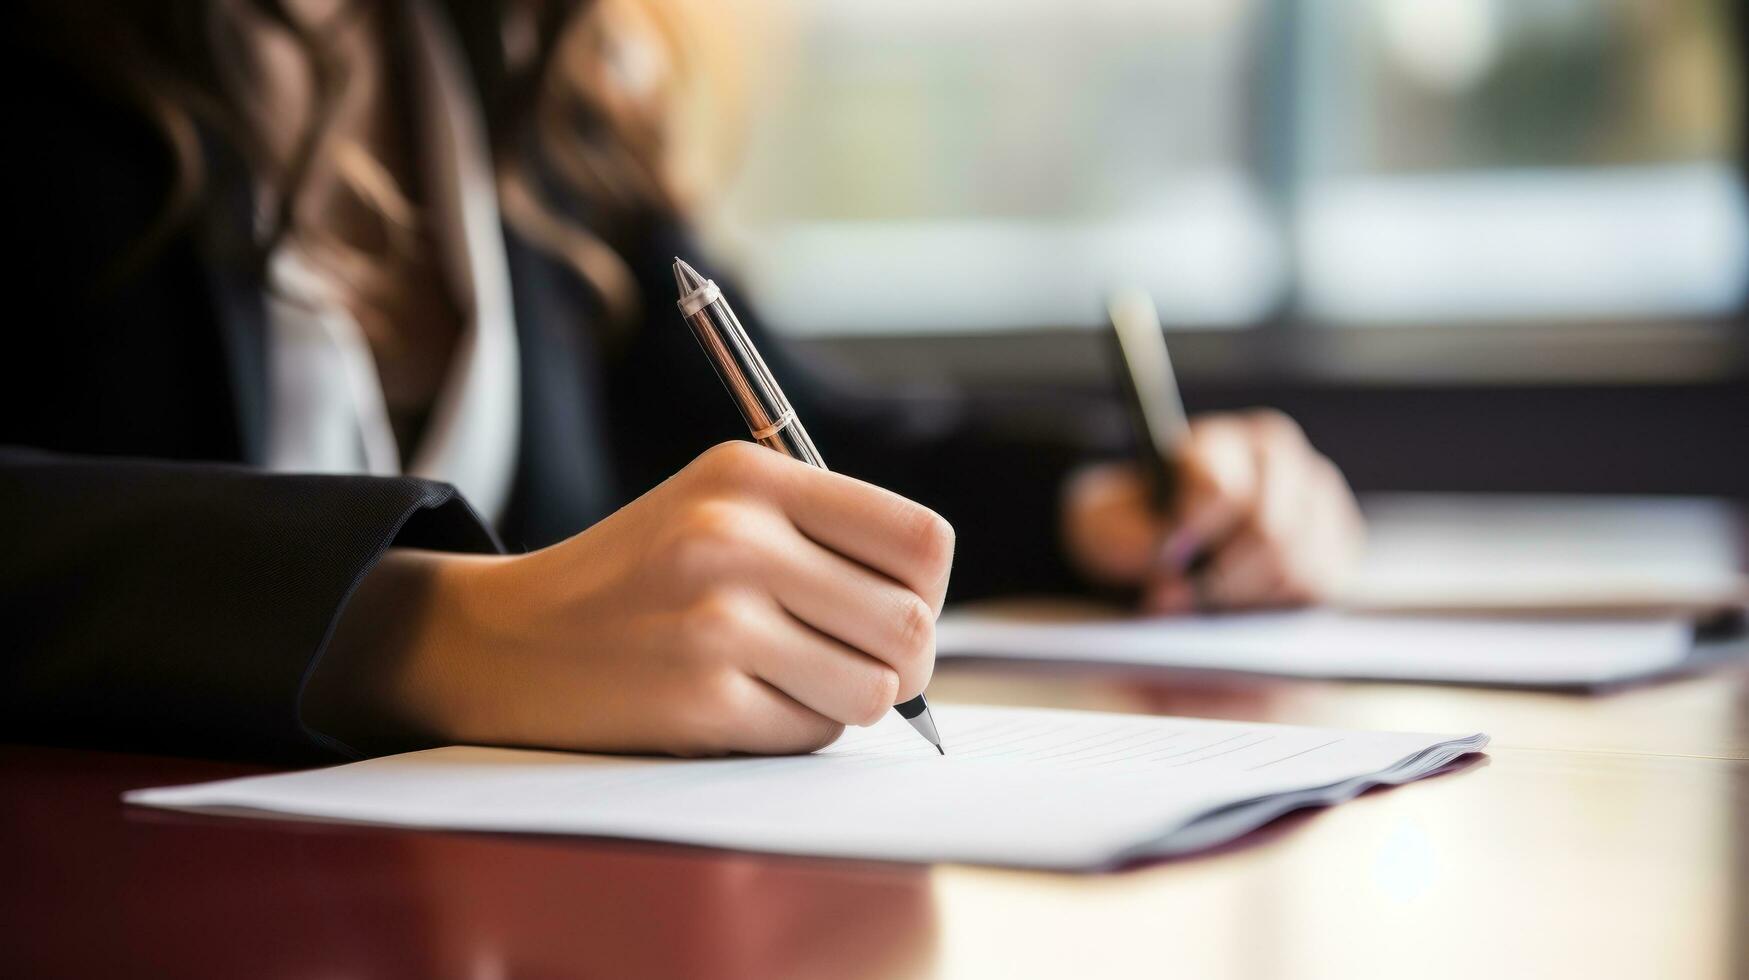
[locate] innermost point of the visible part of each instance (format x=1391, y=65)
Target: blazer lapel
x=564, y=474
x=480, y=31
x=236, y=289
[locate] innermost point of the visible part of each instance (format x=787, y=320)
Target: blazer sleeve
x=181, y=607
x=998, y=484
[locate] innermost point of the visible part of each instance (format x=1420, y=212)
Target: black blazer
x=161, y=592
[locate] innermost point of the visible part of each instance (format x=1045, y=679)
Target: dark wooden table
x=1604, y=836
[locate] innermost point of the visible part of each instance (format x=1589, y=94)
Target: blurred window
x=994, y=164
x=1518, y=160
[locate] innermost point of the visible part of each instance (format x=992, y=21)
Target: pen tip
x=686, y=277
x=940, y=750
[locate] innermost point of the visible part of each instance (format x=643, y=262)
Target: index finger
x=875, y=527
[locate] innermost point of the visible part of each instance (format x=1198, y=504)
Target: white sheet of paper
x=1019, y=786
x=1526, y=553
x=1330, y=643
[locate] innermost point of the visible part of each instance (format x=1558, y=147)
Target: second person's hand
x=1258, y=519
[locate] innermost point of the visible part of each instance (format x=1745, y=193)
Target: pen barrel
x=770, y=418
x=793, y=441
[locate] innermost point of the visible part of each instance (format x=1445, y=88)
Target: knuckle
x=705, y=719
x=914, y=660
x=696, y=558
x=713, y=717
x=710, y=534
x=734, y=461
x=816, y=735
x=1276, y=424
x=732, y=453
x=720, y=691
x=717, y=520
x=915, y=623
x=718, y=617
x=878, y=696
x=931, y=538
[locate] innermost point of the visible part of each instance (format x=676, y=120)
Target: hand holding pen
x=751, y=602
x=769, y=416
x=1230, y=511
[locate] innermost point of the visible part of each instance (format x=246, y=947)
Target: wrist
x=399, y=669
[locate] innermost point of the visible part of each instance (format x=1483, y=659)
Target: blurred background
x=1471, y=244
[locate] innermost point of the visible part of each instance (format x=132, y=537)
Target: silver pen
x=769, y=416
x=1145, y=370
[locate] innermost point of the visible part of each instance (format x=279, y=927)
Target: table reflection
x=274, y=899
x=1604, y=837
x=527, y=909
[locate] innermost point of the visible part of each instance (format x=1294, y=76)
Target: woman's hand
x=1259, y=518
x=751, y=603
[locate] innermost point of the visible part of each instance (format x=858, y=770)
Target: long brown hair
x=569, y=116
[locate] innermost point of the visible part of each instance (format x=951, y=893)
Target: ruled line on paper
x=1265, y=765
x=1236, y=748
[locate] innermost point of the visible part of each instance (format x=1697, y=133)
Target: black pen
x=769, y=416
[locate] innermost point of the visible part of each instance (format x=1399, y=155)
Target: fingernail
x=1178, y=551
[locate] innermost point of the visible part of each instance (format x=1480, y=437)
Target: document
x=1019, y=786
x=1549, y=554
x=1331, y=643
x=1579, y=592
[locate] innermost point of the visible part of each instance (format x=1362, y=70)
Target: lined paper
x=1026, y=787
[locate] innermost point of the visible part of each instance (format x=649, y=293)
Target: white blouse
x=326, y=411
